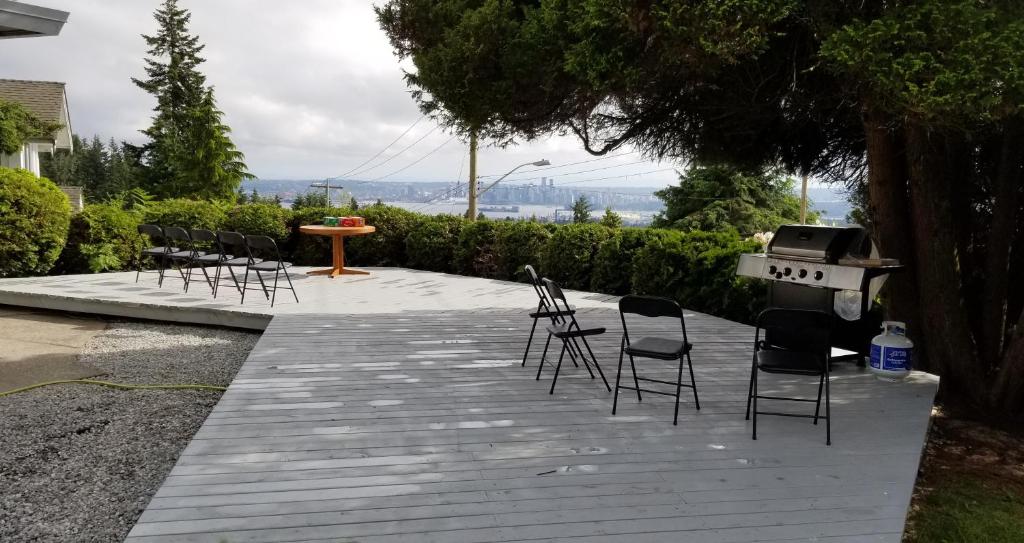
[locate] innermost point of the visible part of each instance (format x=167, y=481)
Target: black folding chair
x=812, y=356
x=267, y=246
x=658, y=348
x=236, y=255
x=181, y=259
x=209, y=252
x=568, y=331
x=158, y=250
x=545, y=311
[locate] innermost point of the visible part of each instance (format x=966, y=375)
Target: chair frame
x=824, y=372
x=205, y=236
x=651, y=306
x=544, y=310
x=223, y=263
x=183, y=240
x=266, y=243
x=555, y=293
x=155, y=232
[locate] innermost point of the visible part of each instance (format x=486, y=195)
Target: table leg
x=338, y=261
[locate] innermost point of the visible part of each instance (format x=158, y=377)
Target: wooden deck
x=422, y=426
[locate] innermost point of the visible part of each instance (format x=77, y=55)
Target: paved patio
x=400, y=413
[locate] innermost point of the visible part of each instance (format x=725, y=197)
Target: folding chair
x=158, y=252
x=567, y=331
x=544, y=310
x=209, y=252
x=185, y=255
x=658, y=348
x=236, y=252
x=812, y=358
x=266, y=245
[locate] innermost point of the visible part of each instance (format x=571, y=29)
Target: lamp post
x=542, y=162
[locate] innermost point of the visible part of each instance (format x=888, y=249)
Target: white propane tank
x=891, y=352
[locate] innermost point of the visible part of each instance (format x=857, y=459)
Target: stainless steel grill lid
x=815, y=243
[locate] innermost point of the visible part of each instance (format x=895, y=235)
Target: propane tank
x=891, y=352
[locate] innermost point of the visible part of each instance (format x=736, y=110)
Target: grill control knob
x=802, y=273
x=787, y=272
x=772, y=269
x=818, y=275
x=778, y=275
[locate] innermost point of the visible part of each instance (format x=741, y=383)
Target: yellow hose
x=114, y=385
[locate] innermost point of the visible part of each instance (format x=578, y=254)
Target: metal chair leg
x=817, y=405
x=596, y=365
x=245, y=284
x=755, y=404
x=679, y=390
x=558, y=367
x=828, y=411
x=693, y=382
x=231, y=271
x=529, y=341
x=262, y=284
x=618, y=376
x=636, y=381
x=274, y=296
x=543, y=356
x=290, y=285
x=216, y=281
x=750, y=389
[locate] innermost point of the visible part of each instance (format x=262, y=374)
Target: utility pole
x=471, y=195
x=803, y=201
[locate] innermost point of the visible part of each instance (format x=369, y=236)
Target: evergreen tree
x=581, y=209
x=190, y=152
x=611, y=219
x=353, y=204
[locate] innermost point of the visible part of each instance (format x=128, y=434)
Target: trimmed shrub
x=34, y=218
x=186, y=214
x=260, y=219
x=613, y=263
x=698, y=269
x=518, y=243
x=386, y=246
x=475, y=253
x=568, y=256
x=303, y=249
x=431, y=245
x=103, y=237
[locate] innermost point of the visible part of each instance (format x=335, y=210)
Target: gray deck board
x=423, y=427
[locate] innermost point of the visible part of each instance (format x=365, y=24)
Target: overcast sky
x=310, y=88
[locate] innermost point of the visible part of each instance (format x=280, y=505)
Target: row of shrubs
x=696, y=268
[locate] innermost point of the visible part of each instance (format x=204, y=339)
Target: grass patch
x=965, y=509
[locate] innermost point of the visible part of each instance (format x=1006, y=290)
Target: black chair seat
x=213, y=258
x=270, y=265
x=562, y=331
x=660, y=348
x=159, y=250
x=791, y=362
x=548, y=314
x=239, y=261
x=183, y=255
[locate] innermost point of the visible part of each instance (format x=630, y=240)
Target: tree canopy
x=721, y=198
x=918, y=102
x=18, y=124
x=190, y=152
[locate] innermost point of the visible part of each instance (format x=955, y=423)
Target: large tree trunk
x=944, y=322
x=888, y=204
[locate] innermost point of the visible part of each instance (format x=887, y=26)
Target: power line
x=410, y=165
x=567, y=165
x=582, y=171
x=388, y=146
x=398, y=154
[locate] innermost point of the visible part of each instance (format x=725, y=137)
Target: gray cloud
x=310, y=88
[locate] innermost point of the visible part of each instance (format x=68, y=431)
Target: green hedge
x=613, y=263
x=568, y=256
x=386, y=246
x=103, y=237
x=34, y=219
x=186, y=214
x=517, y=244
x=476, y=250
x=431, y=244
x=258, y=219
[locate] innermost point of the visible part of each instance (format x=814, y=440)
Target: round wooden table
x=338, y=246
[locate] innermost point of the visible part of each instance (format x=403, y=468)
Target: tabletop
x=321, y=230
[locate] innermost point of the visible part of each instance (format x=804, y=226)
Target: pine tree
x=190, y=153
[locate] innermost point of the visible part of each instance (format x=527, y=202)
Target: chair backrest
x=234, y=243
x=810, y=330
x=555, y=293
x=538, y=287
x=154, y=232
x=176, y=233
x=264, y=245
x=650, y=306
x=203, y=236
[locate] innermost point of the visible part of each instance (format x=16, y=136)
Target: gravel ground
x=78, y=463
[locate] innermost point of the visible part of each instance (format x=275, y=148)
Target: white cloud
x=309, y=88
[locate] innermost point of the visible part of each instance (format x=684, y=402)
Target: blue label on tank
x=890, y=358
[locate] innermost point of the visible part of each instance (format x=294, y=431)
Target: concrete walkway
x=39, y=346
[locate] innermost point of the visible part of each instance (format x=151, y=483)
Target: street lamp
x=542, y=162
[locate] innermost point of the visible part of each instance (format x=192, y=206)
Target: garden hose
x=114, y=385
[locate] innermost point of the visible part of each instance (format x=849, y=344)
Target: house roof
x=20, y=20
x=44, y=99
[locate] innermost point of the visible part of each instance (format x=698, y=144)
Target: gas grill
x=834, y=269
